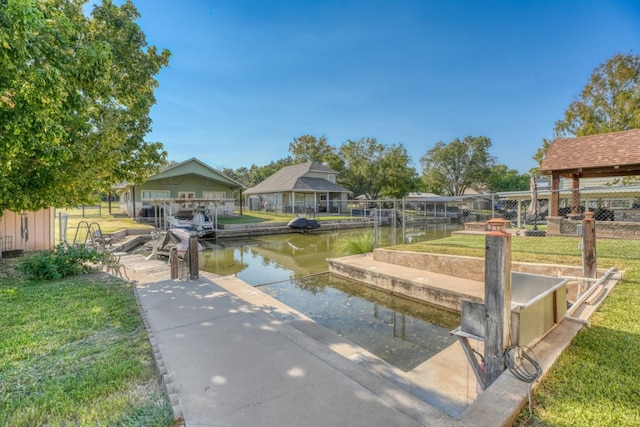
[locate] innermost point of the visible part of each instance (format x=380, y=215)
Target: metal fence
x=93, y=211
x=614, y=203
x=615, y=209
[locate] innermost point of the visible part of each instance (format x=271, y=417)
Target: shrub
x=62, y=262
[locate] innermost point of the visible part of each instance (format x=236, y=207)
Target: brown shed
x=604, y=155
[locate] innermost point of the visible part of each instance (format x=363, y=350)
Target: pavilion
x=615, y=154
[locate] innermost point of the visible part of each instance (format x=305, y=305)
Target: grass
x=254, y=217
x=108, y=224
x=550, y=249
x=359, y=243
x=257, y=217
x=75, y=352
x=596, y=381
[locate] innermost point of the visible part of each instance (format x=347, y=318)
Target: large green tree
x=449, y=169
x=256, y=174
x=609, y=102
x=374, y=170
x=501, y=178
x=75, y=97
x=310, y=148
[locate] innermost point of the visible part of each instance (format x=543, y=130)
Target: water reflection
x=266, y=259
x=403, y=332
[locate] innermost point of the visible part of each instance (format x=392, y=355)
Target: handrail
x=589, y=291
x=544, y=294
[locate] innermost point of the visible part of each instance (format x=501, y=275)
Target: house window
x=154, y=194
x=331, y=178
x=214, y=195
x=323, y=197
x=186, y=195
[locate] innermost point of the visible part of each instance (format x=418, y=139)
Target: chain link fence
x=616, y=210
x=86, y=211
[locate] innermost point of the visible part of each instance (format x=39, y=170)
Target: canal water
x=403, y=332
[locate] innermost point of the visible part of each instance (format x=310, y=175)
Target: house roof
x=293, y=178
x=196, y=167
x=607, y=154
x=191, y=166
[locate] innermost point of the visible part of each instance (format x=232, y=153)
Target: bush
x=62, y=262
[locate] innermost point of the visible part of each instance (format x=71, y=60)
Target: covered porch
x=299, y=202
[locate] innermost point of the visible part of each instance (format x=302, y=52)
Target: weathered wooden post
x=497, y=298
x=589, y=264
x=173, y=263
x=194, y=268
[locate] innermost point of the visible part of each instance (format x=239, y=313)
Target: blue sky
x=246, y=77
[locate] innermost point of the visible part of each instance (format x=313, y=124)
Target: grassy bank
x=75, y=352
x=596, y=381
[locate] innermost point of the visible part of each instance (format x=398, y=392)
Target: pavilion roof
x=607, y=154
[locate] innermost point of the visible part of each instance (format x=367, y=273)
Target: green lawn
x=75, y=352
x=596, y=381
x=256, y=217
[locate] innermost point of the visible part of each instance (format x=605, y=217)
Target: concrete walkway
x=232, y=363
x=231, y=355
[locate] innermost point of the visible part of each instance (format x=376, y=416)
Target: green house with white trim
x=182, y=184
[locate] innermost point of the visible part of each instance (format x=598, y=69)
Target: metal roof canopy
x=446, y=199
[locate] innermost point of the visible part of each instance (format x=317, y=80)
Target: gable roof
x=607, y=154
x=191, y=166
x=292, y=178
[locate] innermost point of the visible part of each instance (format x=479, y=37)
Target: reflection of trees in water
x=301, y=254
x=424, y=311
x=221, y=261
x=312, y=284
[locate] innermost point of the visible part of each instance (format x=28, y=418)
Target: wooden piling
x=589, y=261
x=497, y=300
x=173, y=263
x=194, y=268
